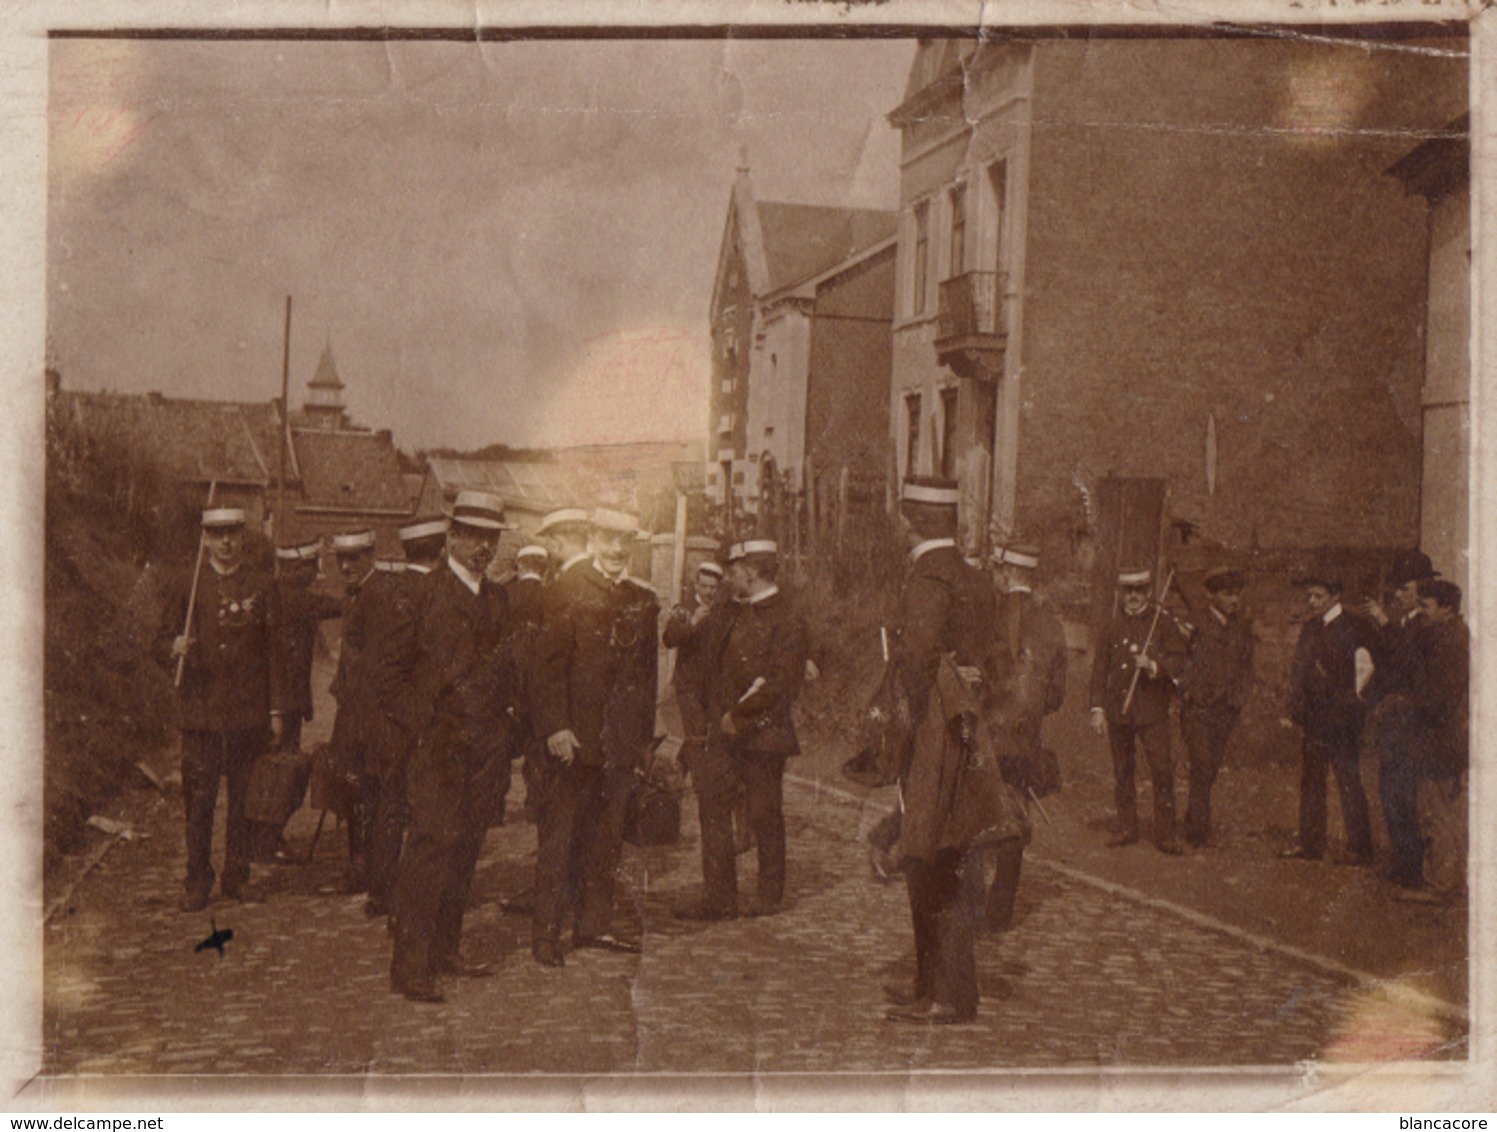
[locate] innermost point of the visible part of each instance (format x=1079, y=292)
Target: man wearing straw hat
x=218, y=633
x=688, y=631
x=463, y=694
x=371, y=613
x=941, y=638
x=1027, y=669
x=593, y=700
x=759, y=669
x=390, y=662
x=302, y=608
x=1139, y=655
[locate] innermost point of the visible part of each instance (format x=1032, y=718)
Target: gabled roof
x=802, y=240
x=936, y=73
x=785, y=244
x=350, y=469
x=200, y=441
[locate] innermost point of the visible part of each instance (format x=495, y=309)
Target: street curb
x=1395, y=991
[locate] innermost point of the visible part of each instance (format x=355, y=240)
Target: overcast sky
x=503, y=242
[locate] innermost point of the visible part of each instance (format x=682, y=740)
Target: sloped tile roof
x=227, y=441
x=350, y=468
x=802, y=240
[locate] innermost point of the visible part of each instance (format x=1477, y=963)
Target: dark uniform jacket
x=302, y=607
x=1440, y=701
x=759, y=672
x=945, y=607
x=1219, y=673
x=696, y=648
x=945, y=619
x=1112, y=668
x=1323, y=678
x=596, y=666
x=1026, y=671
x=1395, y=650
x=232, y=678
x=462, y=691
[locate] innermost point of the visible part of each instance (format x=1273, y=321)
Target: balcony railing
x=971, y=305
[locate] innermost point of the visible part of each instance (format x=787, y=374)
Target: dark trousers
x=1317, y=757
x=452, y=794
x=386, y=835
x=1155, y=741
x=723, y=775
x=1206, y=731
x=1398, y=786
x=265, y=837
x=945, y=897
x=207, y=757
x=579, y=839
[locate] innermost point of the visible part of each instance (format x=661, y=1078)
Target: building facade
x=1171, y=261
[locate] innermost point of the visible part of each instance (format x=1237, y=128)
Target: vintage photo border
x=23, y=140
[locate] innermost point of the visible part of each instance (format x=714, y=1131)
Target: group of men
x=1391, y=686
x=445, y=677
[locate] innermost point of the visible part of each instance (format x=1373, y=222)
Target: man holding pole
x=218, y=633
x=1139, y=655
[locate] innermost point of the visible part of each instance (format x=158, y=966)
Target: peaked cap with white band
x=353, y=542
x=428, y=526
x=301, y=552
x=220, y=517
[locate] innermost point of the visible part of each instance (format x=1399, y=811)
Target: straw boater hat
x=930, y=491
x=1020, y=554
x=1134, y=576
x=610, y=519
x=428, y=526
x=218, y=518
x=564, y=517
x=741, y=550
x=710, y=567
x=481, y=510
x=353, y=542
x=299, y=551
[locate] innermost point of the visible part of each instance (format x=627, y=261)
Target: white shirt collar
x=928, y=545
x=1218, y=614
x=1020, y=590
x=763, y=595
x=464, y=575
x=523, y=574
x=1331, y=614
x=418, y=568
x=223, y=573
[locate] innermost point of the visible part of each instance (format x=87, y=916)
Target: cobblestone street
x=1089, y=977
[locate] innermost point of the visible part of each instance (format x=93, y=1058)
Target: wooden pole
x=278, y=528
x=841, y=513
x=192, y=594
x=678, y=567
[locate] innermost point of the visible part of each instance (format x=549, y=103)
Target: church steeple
x=324, y=404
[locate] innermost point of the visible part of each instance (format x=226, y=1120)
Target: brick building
x=1169, y=269
x=800, y=341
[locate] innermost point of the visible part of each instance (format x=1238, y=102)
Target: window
x=922, y=254
x=725, y=423
x=958, y=231
x=912, y=434
x=948, y=432
x=998, y=188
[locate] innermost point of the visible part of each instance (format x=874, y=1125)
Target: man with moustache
x=1138, y=658
x=759, y=669
x=229, y=693
x=687, y=631
x=593, y=699
x=463, y=685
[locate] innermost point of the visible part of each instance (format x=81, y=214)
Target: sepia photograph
x=915, y=557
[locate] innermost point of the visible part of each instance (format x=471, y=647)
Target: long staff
x=1149, y=640
x=192, y=594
